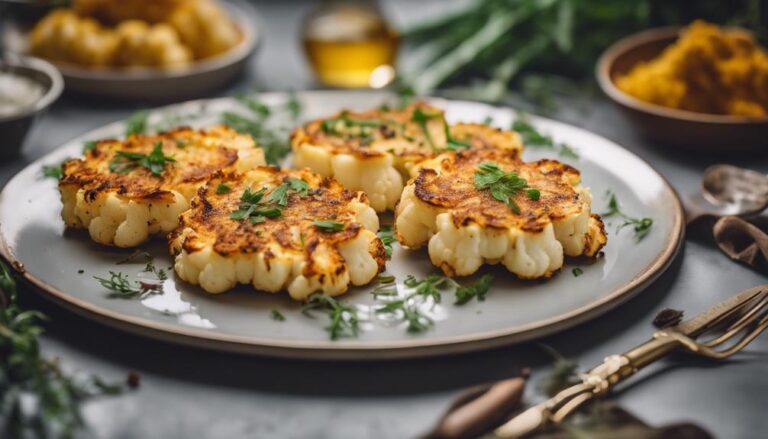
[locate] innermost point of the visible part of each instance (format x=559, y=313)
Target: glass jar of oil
x=350, y=44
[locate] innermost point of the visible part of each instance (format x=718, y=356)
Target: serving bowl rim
x=52, y=92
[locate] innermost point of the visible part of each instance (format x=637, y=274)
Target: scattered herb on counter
x=137, y=123
x=54, y=171
x=667, y=317
x=343, y=318
x=407, y=310
x=222, y=189
x=503, y=185
x=276, y=315
x=641, y=226
x=387, y=236
x=39, y=399
x=328, y=226
x=477, y=289
x=122, y=288
x=577, y=272
x=126, y=161
x=533, y=137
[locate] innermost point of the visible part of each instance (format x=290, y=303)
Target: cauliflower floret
x=125, y=206
x=466, y=227
x=285, y=252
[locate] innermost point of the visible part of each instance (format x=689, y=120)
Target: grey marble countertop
x=190, y=393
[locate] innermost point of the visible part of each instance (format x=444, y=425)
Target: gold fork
x=745, y=313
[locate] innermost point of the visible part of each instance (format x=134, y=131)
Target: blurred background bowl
x=199, y=79
x=14, y=128
x=684, y=129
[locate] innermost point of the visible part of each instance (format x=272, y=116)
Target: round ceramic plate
x=63, y=263
x=151, y=84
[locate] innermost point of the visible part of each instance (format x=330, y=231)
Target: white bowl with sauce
x=28, y=86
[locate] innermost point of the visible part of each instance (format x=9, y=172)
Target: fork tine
x=745, y=340
x=741, y=323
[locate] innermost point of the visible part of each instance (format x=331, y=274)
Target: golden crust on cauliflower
x=322, y=239
x=121, y=202
x=377, y=150
x=466, y=226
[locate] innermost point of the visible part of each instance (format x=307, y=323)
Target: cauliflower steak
x=375, y=151
x=278, y=230
x=486, y=206
x=123, y=191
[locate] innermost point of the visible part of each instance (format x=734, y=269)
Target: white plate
x=32, y=236
x=152, y=84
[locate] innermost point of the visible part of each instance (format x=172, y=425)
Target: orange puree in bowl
x=708, y=70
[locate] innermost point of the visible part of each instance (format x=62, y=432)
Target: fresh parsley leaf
x=329, y=226
x=387, y=236
x=90, y=145
x=503, y=186
x=577, y=272
x=343, y=318
x=477, y=289
x=54, y=171
x=276, y=315
x=270, y=137
x=125, y=161
x=222, y=189
x=137, y=123
x=280, y=194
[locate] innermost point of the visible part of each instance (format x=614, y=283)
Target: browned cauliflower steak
x=466, y=227
x=278, y=230
x=375, y=151
x=124, y=191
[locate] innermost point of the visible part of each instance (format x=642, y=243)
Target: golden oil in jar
x=350, y=45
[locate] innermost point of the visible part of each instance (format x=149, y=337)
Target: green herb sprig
x=407, y=310
x=329, y=226
x=54, y=171
x=137, y=123
x=38, y=398
x=343, y=318
x=641, y=226
x=387, y=236
x=254, y=208
x=422, y=118
x=533, y=137
x=477, y=289
x=503, y=186
x=121, y=287
x=126, y=161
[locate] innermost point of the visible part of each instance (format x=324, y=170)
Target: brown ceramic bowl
x=685, y=129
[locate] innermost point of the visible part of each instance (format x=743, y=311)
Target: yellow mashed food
x=708, y=70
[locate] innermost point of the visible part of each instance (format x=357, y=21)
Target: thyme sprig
x=121, y=287
x=641, y=226
x=343, y=318
x=38, y=398
x=503, y=186
x=126, y=161
x=407, y=310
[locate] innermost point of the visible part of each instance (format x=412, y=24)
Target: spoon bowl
x=734, y=190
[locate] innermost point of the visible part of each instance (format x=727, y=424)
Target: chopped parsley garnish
x=503, y=186
x=90, y=145
x=343, y=318
x=478, y=290
x=155, y=161
x=387, y=236
x=577, y=272
x=54, y=171
x=136, y=123
x=222, y=189
x=280, y=194
x=122, y=288
x=276, y=315
x=641, y=226
x=421, y=118
x=329, y=226
x=533, y=137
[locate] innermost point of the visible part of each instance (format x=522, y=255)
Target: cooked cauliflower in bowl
x=486, y=206
x=375, y=151
x=278, y=230
x=124, y=191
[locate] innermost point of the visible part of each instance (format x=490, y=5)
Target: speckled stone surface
x=188, y=393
